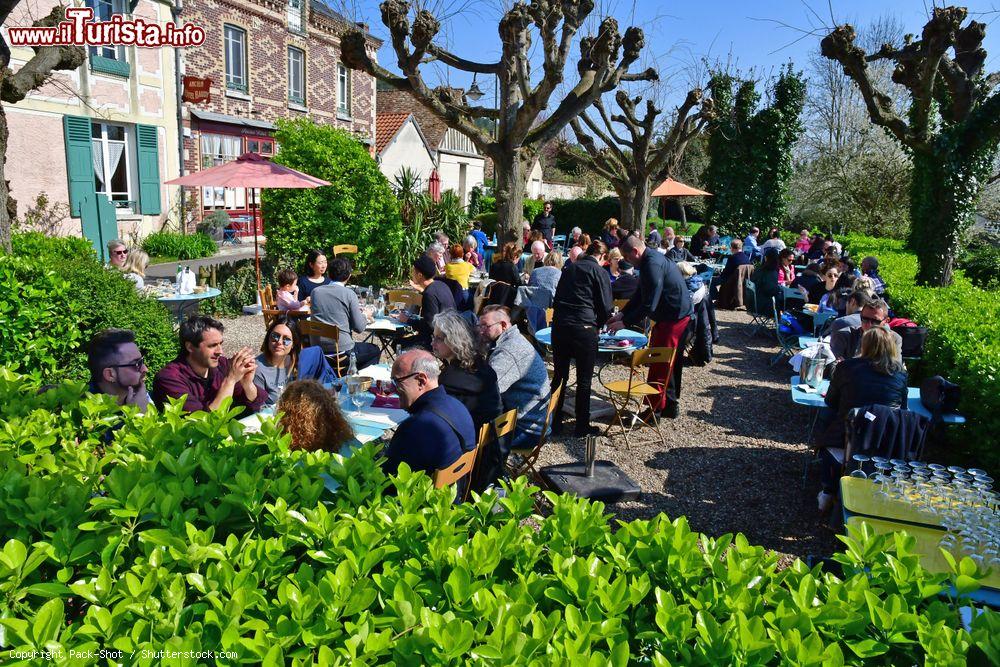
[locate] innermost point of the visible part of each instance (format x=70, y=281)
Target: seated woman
x=614, y=258
x=548, y=275
x=804, y=243
x=874, y=377
x=457, y=268
x=505, y=268
x=312, y=416
x=583, y=241
x=535, y=236
x=282, y=359
x=314, y=274
x=821, y=291
x=134, y=268
x=786, y=268
x=466, y=374
x=610, y=233
x=287, y=296
x=471, y=246
x=765, y=280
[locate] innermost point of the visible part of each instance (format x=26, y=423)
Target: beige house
x=399, y=145
x=459, y=164
x=99, y=140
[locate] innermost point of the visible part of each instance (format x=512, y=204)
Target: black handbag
x=940, y=396
x=913, y=339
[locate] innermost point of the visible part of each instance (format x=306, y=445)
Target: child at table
x=287, y=297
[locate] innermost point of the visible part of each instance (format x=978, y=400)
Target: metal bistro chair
x=636, y=388
x=311, y=332
x=345, y=249
x=761, y=319
x=528, y=457
x=488, y=445
x=789, y=343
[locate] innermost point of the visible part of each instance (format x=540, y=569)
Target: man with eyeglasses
x=846, y=343
x=117, y=368
x=439, y=429
x=203, y=377
x=117, y=253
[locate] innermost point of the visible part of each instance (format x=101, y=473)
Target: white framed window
x=295, y=15
x=218, y=149
x=343, y=90
x=235, y=41
x=296, y=75
x=112, y=155
x=103, y=11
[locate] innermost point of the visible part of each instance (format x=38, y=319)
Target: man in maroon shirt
x=206, y=377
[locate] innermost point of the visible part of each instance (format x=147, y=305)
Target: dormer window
x=295, y=12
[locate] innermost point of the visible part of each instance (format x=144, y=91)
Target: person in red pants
x=663, y=297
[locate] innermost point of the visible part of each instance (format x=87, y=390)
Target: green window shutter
x=147, y=148
x=79, y=161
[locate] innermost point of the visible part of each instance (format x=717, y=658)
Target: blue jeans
x=524, y=440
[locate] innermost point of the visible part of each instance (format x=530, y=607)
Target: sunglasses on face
x=874, y=321
x=276, y=338
x=137, y=365
x=121, y=252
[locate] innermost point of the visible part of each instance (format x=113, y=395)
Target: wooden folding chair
x=637, y=388
x=528, y=457
x=269, y=309
x=311, y=331
x=345, y=249
x=490, y=432
x=456, y=471
x=404, y=297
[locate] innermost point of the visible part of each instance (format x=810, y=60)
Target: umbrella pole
x=253, y=220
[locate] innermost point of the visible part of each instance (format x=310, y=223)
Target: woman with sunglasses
x=283, y=359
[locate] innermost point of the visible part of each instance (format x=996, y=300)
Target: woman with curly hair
x=465, y=375
x=312, y=416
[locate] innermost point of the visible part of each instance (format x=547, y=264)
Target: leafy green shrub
x=187, y=534
x=532, y=207
x=214, y=224
x=489, y=221
x=181, y=246
x=34, y=246
x=358, y=208
x=962, y=344
x=587, y=214
x=38, y=310
x=111, y=301
x=982, y=267
x=238, y=283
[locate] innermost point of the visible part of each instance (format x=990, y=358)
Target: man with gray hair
x=537, y=257
x=439, y=429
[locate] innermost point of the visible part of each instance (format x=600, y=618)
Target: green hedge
x=587, y=214
x=61, y=321
x=35, y=245
x=181, y=246
x=186, y=534
x=963, y=344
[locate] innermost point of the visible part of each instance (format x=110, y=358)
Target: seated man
x=439, y=429
x=627, y=282
x=117, y=368
x=437, y=297
x=537, y=258
x=203, y=376
x=737, y=259
x=521, y=374
x=846, y=343
x=338, y=304
x=855, y=302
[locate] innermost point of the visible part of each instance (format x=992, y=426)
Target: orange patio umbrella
x=250, y=170
x=672, y=188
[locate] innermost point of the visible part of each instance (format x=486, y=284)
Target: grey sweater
x=338, y=304
x=522, y=378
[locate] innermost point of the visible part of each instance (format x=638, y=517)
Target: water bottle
x=179, y=277
x=352, y=366
x=380, y=307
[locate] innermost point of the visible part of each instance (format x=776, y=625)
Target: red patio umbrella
x=434, y=186
x=250, y=170
x=672, y=188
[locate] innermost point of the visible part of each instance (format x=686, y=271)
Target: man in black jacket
x=663, y=296
x=582, y=304
x=545, y=222
x=436, y=298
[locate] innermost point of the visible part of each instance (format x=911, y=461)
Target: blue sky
x=680, y=35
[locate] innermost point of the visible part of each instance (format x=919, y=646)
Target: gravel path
x=732, y=461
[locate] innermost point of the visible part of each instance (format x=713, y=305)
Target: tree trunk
x=5, y=216
x=634, y=201
x=511, y=179
x=943, y=197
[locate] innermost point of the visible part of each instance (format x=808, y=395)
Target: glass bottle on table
x=352, y=365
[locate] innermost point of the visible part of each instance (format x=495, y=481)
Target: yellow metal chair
x=500, y=427
x=528, y=457
x=456, y=471
x=636, y=388
x=404, y=297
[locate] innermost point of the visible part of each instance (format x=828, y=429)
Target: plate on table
x=614, y=343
